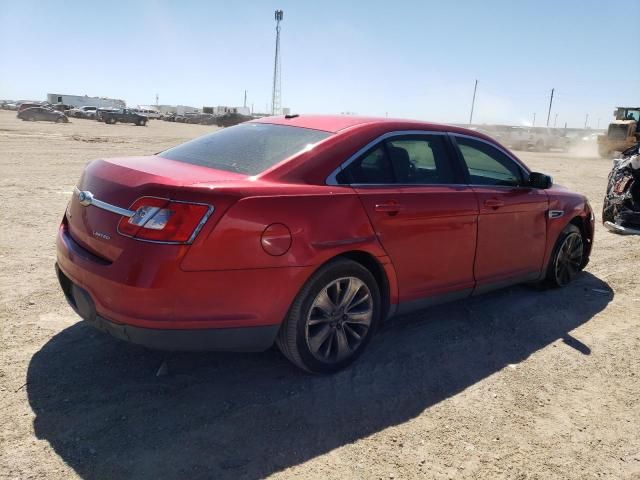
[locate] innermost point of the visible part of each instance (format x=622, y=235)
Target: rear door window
x=403, y=160
x=374, y=167
x=421, y=160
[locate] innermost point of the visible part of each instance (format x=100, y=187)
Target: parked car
x=24, y=105
x=86, y=111
x=101, y=111
x=230, y=119
x=42, y=113
x=124, y=115
x=308, y=231
x=148, y=113
x=621, y=206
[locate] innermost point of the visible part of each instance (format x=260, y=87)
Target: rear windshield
x=249, y=148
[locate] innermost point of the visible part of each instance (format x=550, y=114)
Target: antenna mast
x=276, y=106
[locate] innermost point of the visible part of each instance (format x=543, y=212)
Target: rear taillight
x=163, y=220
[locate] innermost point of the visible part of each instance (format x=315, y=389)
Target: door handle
x=391, y=207
x=493, y=203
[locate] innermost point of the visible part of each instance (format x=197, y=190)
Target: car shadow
x=100, y=405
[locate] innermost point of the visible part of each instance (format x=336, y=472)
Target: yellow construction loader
x=623, y=132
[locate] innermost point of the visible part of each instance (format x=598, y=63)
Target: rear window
x=249, y=148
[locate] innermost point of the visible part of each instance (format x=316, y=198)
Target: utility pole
x=275, y=93
x=245, y=99
x=550, y=103
x=555, y=120
x=157, y=97
x=473, y=101
x=586, y=121
x=534, y=119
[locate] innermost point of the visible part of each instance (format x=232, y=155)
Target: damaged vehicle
x=621, y=210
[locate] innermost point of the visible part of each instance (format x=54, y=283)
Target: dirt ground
x=518, y=384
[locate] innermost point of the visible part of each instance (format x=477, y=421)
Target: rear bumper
x=614, y=227
x=243, y=339
x=147, y=299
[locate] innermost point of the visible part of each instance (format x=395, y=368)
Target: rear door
x=512, y=225
x=423, y=215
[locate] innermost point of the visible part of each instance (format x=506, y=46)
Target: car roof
x=337, y=123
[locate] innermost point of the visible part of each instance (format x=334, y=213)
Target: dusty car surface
x=47, y=114
x=308, y=231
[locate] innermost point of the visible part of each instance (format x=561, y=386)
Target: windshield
x=249, y=148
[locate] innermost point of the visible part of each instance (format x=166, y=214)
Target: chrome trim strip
x=86, y=198
x=614, y=227
x=331, y=179
x=556, y=213
x=405, y=185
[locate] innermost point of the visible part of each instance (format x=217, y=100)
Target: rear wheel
x=332, y=319
x=567, y=259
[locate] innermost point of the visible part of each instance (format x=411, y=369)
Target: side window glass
x=421, y=160
x=372, y=167
x=488, y=165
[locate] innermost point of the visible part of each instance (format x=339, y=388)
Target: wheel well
x=579, y=222
x=370, y=263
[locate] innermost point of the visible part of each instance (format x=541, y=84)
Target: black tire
x=295, y=335
x=567, y=259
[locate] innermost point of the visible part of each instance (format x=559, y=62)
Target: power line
x=473, y=102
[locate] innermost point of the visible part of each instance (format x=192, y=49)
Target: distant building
x=177, y=109
x=85, y=101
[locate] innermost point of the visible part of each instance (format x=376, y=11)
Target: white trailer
x=85, y=100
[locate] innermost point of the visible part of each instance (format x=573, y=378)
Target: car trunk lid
x=115, y=184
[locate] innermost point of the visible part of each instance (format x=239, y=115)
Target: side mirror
x=540, y=180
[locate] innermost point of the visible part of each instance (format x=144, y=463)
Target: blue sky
x=414, y=59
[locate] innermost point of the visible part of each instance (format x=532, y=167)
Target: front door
x=423, y=215
x=512, y=225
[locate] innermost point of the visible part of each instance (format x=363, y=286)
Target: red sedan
x=308, y=231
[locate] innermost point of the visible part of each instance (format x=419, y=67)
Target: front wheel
x=567, y=259
x=332, y=319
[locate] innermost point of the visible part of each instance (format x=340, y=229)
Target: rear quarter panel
x=322, y=225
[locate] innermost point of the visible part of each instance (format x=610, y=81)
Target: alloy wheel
x=569, y=259
x=339, y=319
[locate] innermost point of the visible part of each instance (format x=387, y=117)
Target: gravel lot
x=518, y=384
